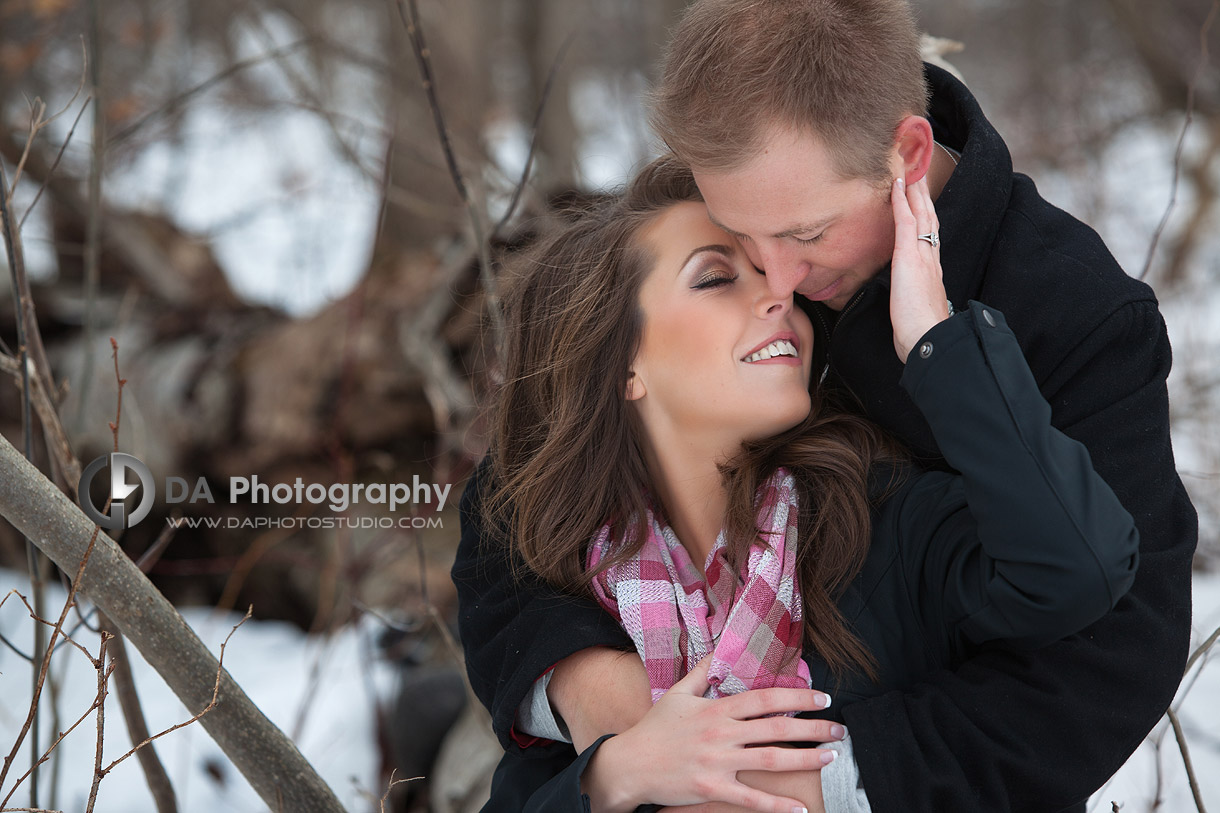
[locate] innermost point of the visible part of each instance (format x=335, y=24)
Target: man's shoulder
x=1047, y=267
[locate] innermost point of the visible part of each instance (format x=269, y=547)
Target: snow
x=274, y=662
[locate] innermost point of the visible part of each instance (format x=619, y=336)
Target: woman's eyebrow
x=718, y=248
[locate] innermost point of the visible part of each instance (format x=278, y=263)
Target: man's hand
x=689, y=750
x=917, y=290
x=803, y=785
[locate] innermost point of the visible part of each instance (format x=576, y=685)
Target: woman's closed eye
x=807, y=240
x=714, y=279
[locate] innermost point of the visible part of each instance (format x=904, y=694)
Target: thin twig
x=103, y=682
x=215, y=696
x=1190, y=770
x=535, y=130
x=51, y=749
x=1177, y=155
x=409, y=14
x=55, y=164
x=393, y=784
x=34, y=559
x=1202, y=650
x=118, y=411
x=93, y=218
x=45, y=665
x=39, y=122
x=177, y=102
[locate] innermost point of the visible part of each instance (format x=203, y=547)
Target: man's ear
x=635, y=387
x=913, y=149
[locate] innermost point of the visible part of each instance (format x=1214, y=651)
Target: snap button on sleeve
x=988, y=318
x=925, y=350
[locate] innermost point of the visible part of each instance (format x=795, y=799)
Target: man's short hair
x=848, y=71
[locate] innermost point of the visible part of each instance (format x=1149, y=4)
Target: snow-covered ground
x=274, y=663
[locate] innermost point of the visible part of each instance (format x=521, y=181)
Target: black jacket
x=1026, y=545
x=1007, y=730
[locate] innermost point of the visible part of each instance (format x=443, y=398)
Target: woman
x=656, y=432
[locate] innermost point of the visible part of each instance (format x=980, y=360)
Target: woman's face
x=721, y=359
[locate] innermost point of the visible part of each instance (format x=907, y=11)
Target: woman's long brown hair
x=567, y=454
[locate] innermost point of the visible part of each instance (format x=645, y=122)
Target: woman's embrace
x=660, y=445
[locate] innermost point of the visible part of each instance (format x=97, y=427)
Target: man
x=795, y=116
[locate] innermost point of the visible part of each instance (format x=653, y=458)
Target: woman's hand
x=688, y=749
x=917, y=290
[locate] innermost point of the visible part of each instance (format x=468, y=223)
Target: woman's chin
x=777, y=424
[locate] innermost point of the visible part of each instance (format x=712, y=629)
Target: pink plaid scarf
x=750, y=621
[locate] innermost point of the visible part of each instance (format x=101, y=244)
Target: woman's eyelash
x=713, y=282
x=807, y=240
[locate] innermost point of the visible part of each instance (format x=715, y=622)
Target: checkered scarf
x=750, y=621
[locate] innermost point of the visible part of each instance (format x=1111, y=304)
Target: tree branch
x=270, y=762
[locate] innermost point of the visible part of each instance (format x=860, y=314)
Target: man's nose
x=785, y=269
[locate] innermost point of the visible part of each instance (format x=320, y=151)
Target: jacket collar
x=973, y=202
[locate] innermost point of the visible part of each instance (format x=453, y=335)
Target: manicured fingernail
x=828, y=757
x=825, y=700
x=901, y=182
x=800, y=810
x=838, y=731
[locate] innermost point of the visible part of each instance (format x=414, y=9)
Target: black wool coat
x=1007, y=730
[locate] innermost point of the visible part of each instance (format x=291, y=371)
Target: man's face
x=810, y=230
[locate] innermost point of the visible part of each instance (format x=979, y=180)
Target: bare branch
x=535, y=130
x=393, y=784
x=113, y=582
x=46, y=663
x=55, y=164
x=206, y=709
x=1190, y=770
x=1177, y=155
x=103, y=681
x=159, y=784
x=415, y=33
x=178, y=101
x=1202, y=650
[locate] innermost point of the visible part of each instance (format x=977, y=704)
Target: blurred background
x=251, y=199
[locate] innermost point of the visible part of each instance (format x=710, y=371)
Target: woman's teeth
x=783, y=347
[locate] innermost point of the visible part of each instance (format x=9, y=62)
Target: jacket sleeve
x=546, y=785
x=1016, y=731
x=1027, y=544
x=513, y=626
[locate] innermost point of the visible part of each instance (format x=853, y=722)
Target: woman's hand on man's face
x=917, y=289
x=688, y=749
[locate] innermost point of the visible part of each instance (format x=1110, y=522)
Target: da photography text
x=337, y=496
